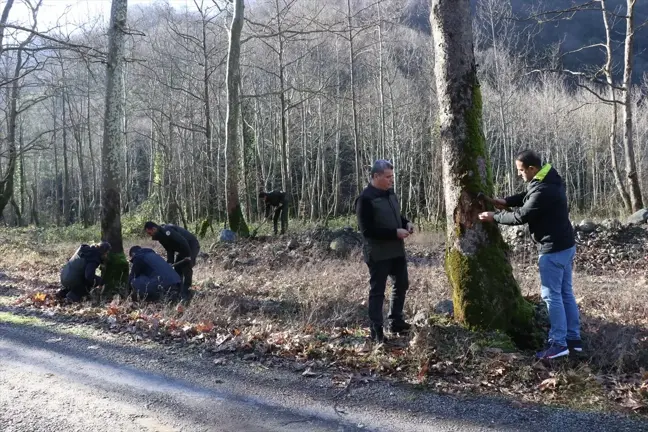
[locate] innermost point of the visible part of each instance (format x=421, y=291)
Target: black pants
x=186, y=272
x=79, y=289
x=281, y=212
x=379, y=271
x=147, y=288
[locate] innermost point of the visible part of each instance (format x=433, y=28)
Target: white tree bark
x=628, y=145
x=607, y=70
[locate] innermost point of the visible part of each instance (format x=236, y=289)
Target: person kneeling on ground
x=78, y=275
x=151, y=277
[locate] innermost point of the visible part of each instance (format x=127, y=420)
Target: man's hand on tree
x=487, y=216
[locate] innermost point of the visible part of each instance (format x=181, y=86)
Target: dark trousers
x=379, y=271
x=186, y=272
x=280, y=212
x=147, y=288
x=79, y=289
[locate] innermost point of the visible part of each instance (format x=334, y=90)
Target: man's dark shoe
x=377, y=334
x=60, y=294
x=73, y=297
x=552, y=351
x=575, y=346
x=187, y=297
x=399, y=326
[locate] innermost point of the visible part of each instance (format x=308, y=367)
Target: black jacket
x=147, y=263
x=178, y=240
x=81, y=268
x=544, y=207
x=379, y=217
x=275, y=198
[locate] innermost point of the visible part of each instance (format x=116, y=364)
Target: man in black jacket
x=78, y=274
x=544, y=207
x=182, y=248
x=151, y=277
x=278, y=200
x=383, y=229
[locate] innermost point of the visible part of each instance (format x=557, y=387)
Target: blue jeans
x=558, y=294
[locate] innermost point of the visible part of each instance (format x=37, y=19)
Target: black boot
x=399, y=326
x=60, y=294
x=377, y=334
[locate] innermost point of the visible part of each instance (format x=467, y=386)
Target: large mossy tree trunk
x=232, y=173
x=115, y=271
x=486, y=295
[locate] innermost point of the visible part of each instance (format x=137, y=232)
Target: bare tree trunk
x=66, y=171
x=634, y=187
x=34, y=198
x=95, y=194
x=116, y=270
x=21, y=172
x=57, y=204
x=3, y=20
x=7, y=180
x=485, y=292
x=607, y=70
x=354, y=108
x=232, y=174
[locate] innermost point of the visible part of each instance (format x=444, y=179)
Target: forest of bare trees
x=325, y=88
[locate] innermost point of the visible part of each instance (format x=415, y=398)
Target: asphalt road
x=54, y=380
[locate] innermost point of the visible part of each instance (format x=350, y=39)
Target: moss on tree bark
x=115, y=275
x=237, y=222
x=486, y=294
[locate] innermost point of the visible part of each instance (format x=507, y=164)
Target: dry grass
x=263, y=299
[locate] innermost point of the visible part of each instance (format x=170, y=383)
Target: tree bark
x=66, y=171
x=485, y=293
x=634, y=187
x=232, y=173
x=607, y=70
x=116, y=270
x=7, y=180
x=354, y=108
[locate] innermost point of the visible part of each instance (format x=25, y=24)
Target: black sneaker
x=399, y=326
x=377, y=334
x=552, y=351
x=575, y=345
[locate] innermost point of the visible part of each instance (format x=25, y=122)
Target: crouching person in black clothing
x=278, y=200
x=152, y=278
x=78, y=274
x=179, y=244
x=383, y=229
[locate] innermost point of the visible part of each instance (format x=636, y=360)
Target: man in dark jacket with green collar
x=383, y=229
x=544, y=207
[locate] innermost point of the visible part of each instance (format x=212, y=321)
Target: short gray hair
x=380, y=166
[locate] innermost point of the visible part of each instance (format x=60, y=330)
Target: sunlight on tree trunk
x=485, y=293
